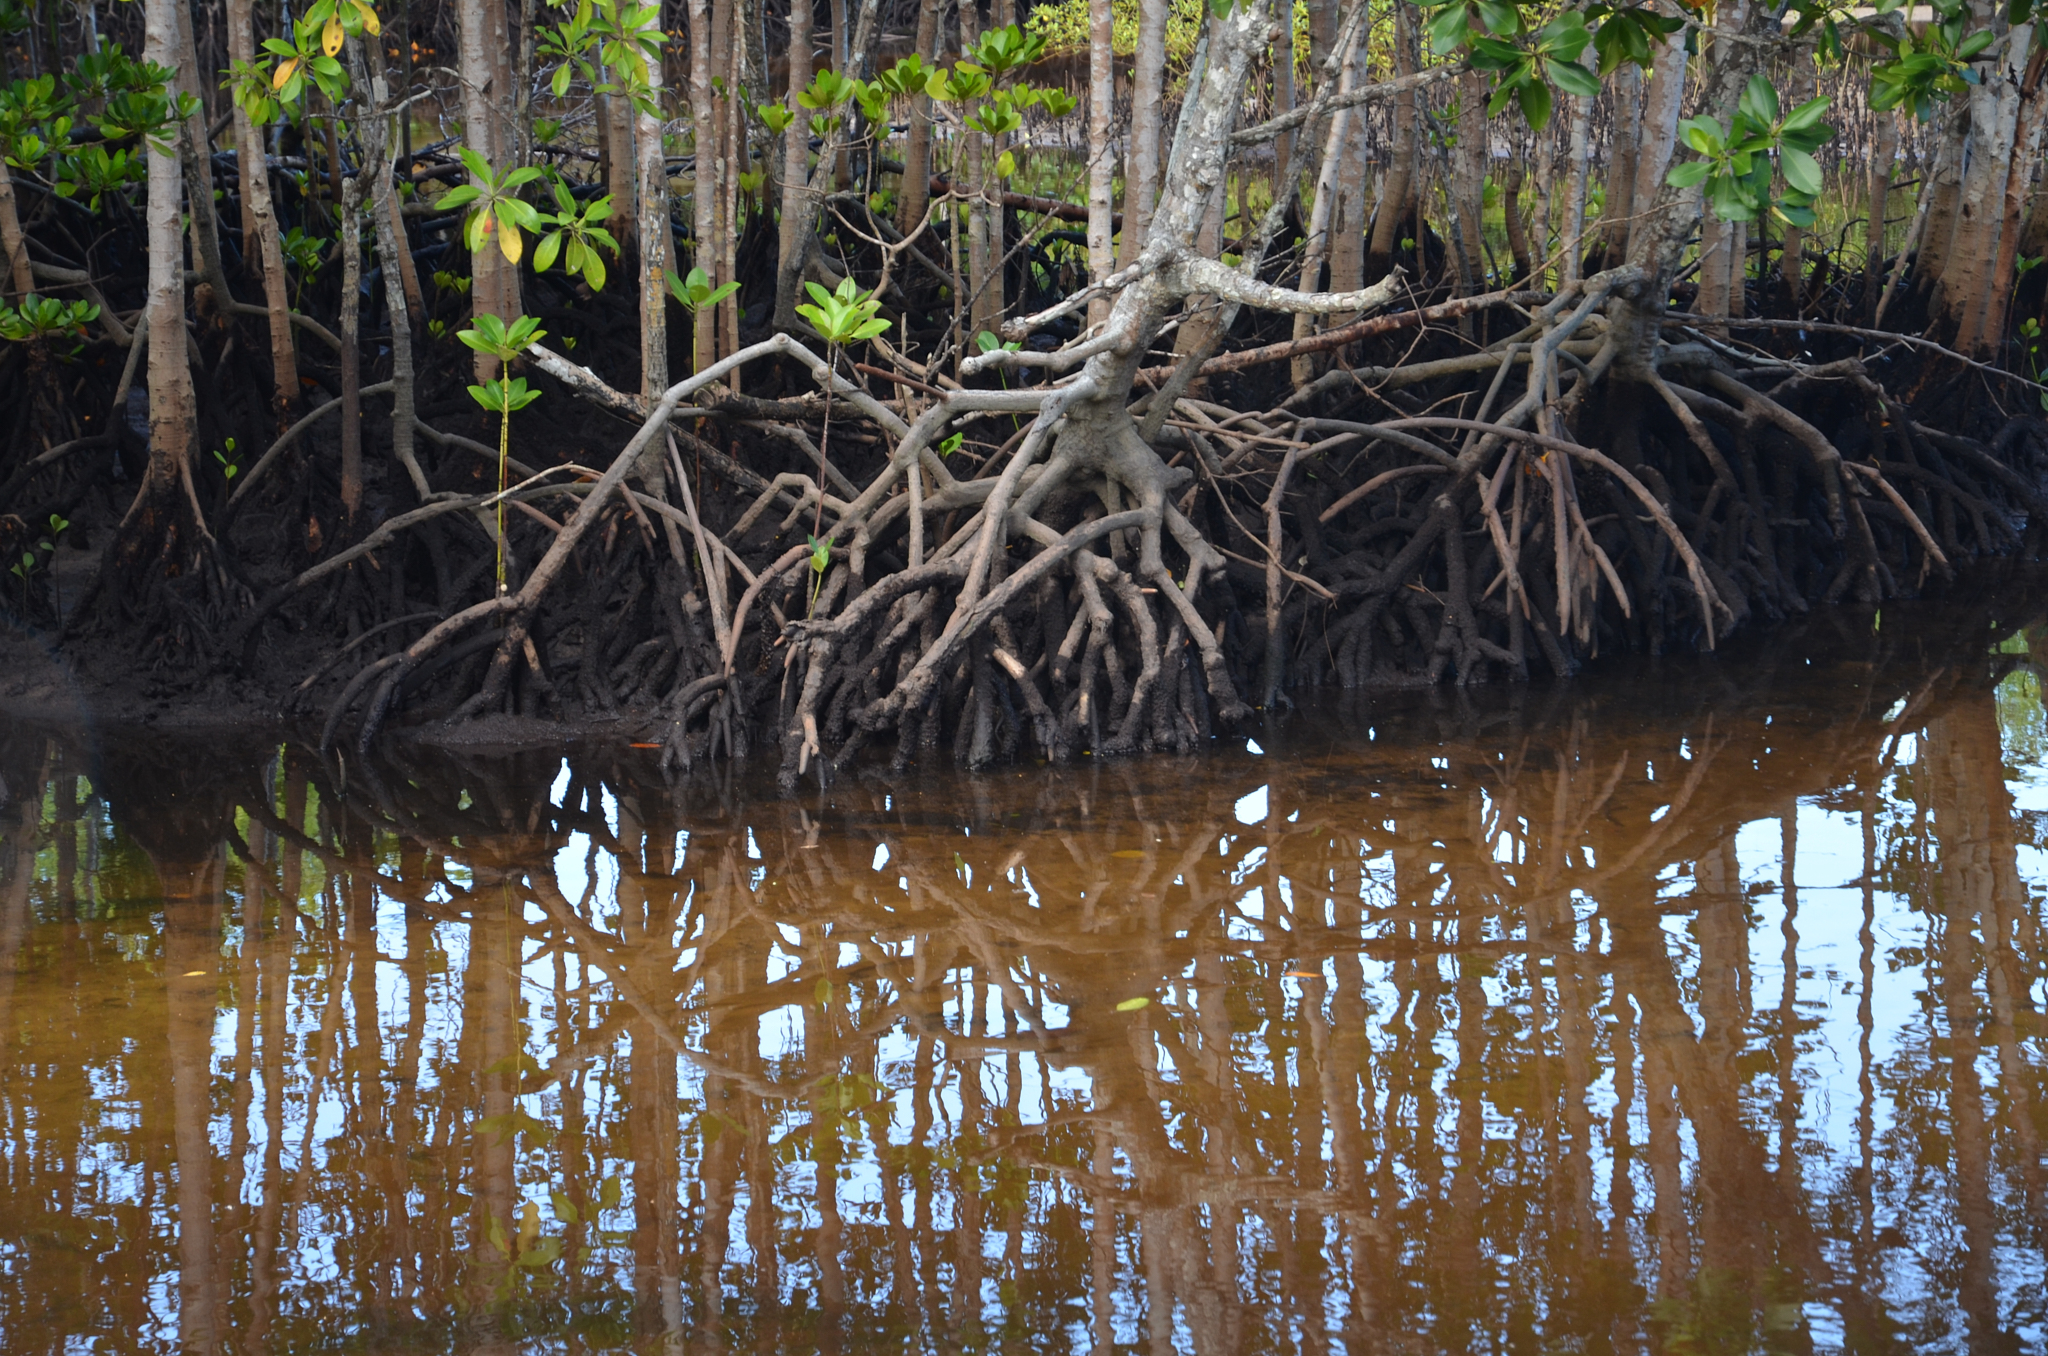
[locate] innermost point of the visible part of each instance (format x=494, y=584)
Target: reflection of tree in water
x=1477, y=1035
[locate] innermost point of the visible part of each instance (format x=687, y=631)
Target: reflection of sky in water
x=1270, y=821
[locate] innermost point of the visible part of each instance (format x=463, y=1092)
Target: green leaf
x=1573, y=78
x=1500, y=17
x=545, y=252
x=1535, y=100
x=1730, y=203
x=1806, y=115
x=1802, y=171
x=1688, y=174
x=1759, y=100
x=1447, y=29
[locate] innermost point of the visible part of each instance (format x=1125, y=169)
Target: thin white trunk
x=916, y=196
x=1572, y=241
x=795, y=231
x=489, y=293
x=1661, y=105
x=11, y=238
x=2026, y=153
x=380, y=157
x=1148, y=89
x=654, y=238
x=351, y=242
x=171, y=416
x=704, y=203
x=1315, y=250
x=1101, y=155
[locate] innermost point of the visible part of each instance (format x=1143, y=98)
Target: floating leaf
x=1133, y=1004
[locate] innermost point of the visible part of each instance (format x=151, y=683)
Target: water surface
x=1692, y=1007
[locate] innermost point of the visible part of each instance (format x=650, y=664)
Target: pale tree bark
x=1315, y=251
x=916, y=190
x=732, y=21
x=1665, y=220
x=350, y=228
x=2033, y=113
x=197, y=159
x=1980, y=319
x=1285, y=60
x=655, y=232
x=984, y=217
x=1468, y=182
x=1398, y=190
x=704, y=203
x=1201, y=324
x=1973, y=245
x=1322, y=34
x=1659, y=130
x=494, y=286
x=163, y=534
x=1943, y=197
x=1798, y=89
x=619, y=118
x=1884, y=150
x=842, y=62
x=1572, y=235
x=171, y=414
x=1723, y=244
x=1347, y=223
x=380, y=161
x=794, y=236
x=1511, y=214
x=1625, y=92
x=259, y=217
x=11, y=239
x=1101, y=164
x=1148, y=90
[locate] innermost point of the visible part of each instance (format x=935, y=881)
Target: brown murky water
x=1694, y=1008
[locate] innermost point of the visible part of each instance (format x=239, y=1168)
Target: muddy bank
x=99, y=686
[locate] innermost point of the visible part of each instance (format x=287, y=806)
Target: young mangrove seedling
x=694, y=293
x=502, y=393
x=845, y=315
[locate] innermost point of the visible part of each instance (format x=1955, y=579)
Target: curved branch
x=1195, y=274
x=1330, y=103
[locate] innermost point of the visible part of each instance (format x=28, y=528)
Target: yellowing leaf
x=1131, y=854
x=283, y=74
x=331, y=35
x=371, y=24
x=510, y=243
x=1133, y=1004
